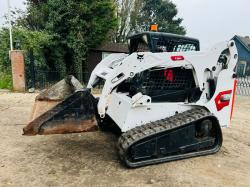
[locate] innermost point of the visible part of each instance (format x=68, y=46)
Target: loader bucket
x=64, y=108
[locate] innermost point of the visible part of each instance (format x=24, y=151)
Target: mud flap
x=74, y=114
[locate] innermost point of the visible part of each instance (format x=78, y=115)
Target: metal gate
x=243, y=80
x=243, y=86
x=41, y=77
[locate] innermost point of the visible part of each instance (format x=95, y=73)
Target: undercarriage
x=195, y=132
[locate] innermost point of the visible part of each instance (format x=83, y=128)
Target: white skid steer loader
x=168, y=99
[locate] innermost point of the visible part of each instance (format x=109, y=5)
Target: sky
x=4, y=8
x=210, y=21
x=213, y=21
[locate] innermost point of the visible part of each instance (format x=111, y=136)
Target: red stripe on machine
x=177, y=58
x=234, y=92
x=223, y=99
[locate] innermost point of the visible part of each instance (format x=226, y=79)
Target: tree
x=162, y=12
x=124, y=9
x=75, y=26
x=36, y=40
x=137, y=16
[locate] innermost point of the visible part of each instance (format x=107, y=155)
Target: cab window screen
x=184, y=47
x=162, y=44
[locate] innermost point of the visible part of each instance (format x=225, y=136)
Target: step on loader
x=167, y=99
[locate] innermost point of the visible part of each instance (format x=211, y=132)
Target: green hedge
x=28, y=39
x=5, y=80
x=35, y=40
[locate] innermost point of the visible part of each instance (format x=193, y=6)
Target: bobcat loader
x=168, y=99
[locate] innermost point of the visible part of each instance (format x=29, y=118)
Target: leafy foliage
x=5, y=80
x=162, y=12
x=36, y=40
x=60, y=32
x=124, y=10
x=137, y=16
x=75, y=26
x=28, y=39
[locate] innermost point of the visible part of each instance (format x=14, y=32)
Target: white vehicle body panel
x=123, y=113
x=130, y=112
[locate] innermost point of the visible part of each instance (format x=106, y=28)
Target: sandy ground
x=90, y=159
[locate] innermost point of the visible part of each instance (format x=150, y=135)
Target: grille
x=170, y=79
x=167, y=85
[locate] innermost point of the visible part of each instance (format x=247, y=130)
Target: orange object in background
x=154, y=27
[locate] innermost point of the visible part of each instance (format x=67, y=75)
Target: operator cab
x=162, y=85
x=157, y=42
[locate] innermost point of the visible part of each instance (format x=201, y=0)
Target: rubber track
x=136, y=134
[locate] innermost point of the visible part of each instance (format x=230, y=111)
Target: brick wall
x=18, y=73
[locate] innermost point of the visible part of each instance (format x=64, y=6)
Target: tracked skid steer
x=167, y=99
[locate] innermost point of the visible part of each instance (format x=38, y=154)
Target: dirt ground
x=90, y=159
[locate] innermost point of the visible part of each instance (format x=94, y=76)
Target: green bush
x=5, y=81
x=35, y=40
